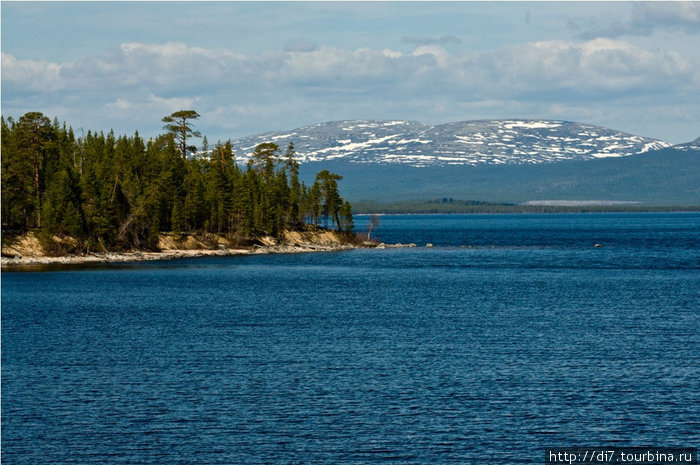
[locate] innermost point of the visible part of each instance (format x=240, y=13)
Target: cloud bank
x=135, y=84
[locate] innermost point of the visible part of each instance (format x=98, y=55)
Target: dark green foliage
x=112, y=193
x=265, y=158
x=347, y=223
x=295, y=199
x=18, y=202
x=61, y=206
x=31, y=142
x=330, y=198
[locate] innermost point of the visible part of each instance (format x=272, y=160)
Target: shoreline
x=12, y=263
x=27, y=250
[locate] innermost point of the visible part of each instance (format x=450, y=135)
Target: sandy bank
x=26, y=250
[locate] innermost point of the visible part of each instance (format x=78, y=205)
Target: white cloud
x=151, y=104
x=121, y=104
x=599, y=71
x=29, y=75
x=438, y=53
x=166, y=66
x=176, y=69
x=303, y=84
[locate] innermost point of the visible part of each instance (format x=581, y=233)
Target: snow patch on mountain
x=530, y=124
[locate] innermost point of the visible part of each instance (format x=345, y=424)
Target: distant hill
x=474, y=143
x=513, y=161
x=669, y=176
x=694, y=145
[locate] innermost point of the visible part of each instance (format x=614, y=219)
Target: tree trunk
x=184, y=139
x=38, y=192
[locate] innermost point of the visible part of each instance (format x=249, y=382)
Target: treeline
x=445, y=206
x=112, y=192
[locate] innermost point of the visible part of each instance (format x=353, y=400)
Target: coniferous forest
x=113, y=192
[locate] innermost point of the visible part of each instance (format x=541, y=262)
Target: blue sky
x=254, y=67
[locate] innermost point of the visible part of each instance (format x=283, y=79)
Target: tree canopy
x=116, y=192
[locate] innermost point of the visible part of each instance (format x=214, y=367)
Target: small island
x=99, y=197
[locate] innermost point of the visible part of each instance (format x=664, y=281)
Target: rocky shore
x=27, y=250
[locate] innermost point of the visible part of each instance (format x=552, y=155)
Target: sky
x=253, y=67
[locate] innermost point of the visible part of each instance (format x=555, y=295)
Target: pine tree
x=194, y=208
x=61, y=205
x=328, y=184
x=179, y=125
x=346, y=218
x=18, y=200
x=292, y=168
x=265, y=158
x=34, y=136
x=313, y=206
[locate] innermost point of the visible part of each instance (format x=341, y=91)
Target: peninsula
x=99, y=197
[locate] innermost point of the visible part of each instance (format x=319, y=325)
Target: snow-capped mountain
x=494, y=142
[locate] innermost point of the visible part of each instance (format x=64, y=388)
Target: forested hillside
x=115, y=192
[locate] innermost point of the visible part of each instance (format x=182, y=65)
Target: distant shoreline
x=364, y=207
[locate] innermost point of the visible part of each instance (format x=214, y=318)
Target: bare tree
x=373, y=223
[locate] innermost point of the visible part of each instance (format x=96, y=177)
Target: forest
x=120, y=192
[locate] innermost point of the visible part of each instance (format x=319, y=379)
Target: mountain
x=512, y=161
x=662, y=177
x=474, y=143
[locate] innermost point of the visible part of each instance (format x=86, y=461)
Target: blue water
x=514, y=333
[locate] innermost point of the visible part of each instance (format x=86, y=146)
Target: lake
x=514, y=333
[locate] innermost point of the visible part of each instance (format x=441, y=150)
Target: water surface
x=511, y=335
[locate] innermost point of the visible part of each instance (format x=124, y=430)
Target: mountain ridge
x=661, y=177
x=473, y=143
x=513, y=160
